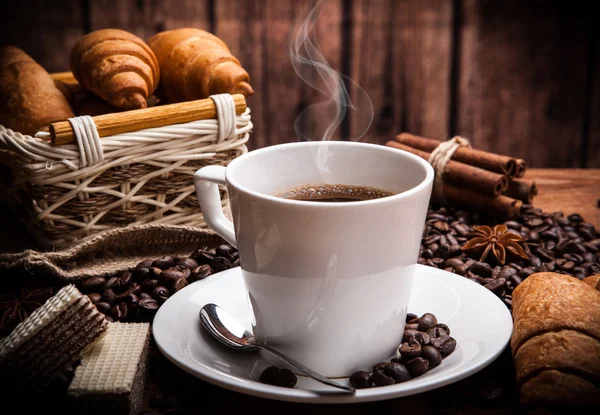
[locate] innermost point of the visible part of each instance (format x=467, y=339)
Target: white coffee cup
x=329, y=283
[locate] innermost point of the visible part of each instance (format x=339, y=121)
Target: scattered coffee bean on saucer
x=278, y=377
x=425, y=343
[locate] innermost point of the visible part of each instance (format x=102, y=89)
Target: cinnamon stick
x=475, y=178
x=151, y=117
x=483, y=159
x=502, y=207
x=521, y=189
x=521, y=167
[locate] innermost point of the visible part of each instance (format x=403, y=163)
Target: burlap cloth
x=111, y=251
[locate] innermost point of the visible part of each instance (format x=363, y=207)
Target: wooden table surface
x=489, y=391
x=568, y=190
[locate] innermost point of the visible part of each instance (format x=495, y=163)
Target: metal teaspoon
x=232, y=334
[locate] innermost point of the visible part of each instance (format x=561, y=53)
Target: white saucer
x=479, y=321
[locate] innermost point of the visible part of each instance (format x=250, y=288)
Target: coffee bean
x=448, y=346
x=575, y=217
x=110, y=282
x=417, y=366
x=496, y=285
x=453, y=262
x=155, y=272
x=443, y=327
x=119, y=311
x=180, y=268
x=410, y=349
x=144, y=264
x=481, y=268
x=145, y=295
x=94, y=297
x=410, y=317
x=361, y=380
x=422, y=338
x=268, y=375
x=140, y=274
x=426, y=321
x=437, y=332
x=431, y=239
x=132, y=299
x=203, y=256
x=189, y=263
x=164, y=262
x=148, y=303
x=397, y=372
x=160, y=293
x=461, y=229
x=225, y=251
x=221, y=264
x=286, y=378
x=409, y=333
x=179, y=284
x=381, y=379
x=427, y=254
x=103, y=307
x=379, y=366
x=511, y=224
x=92, y=284
x=123, y=280
x=149, y=285
x=433, y=355
x=170, y=276
x=109, y=296
x=412, y=326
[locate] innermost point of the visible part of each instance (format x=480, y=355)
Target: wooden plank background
x=514, y=76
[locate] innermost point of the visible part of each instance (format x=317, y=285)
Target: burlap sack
x=112, y=251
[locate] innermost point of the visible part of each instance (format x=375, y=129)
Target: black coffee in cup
x=332, y=193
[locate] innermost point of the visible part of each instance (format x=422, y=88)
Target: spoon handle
x=306, y=370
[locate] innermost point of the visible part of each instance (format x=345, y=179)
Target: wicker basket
x=65, y=192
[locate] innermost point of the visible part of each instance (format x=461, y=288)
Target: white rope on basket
x=164, y=150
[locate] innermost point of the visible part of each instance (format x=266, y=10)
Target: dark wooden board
x=410, y=84
x=148, y=17
x=591, y=152
x=240, y=24
x=45, y=30
x=523, y=79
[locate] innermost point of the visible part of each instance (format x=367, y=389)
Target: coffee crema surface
x=332, y=193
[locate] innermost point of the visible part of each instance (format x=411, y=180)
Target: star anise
x=497, y=241
x=14, y=308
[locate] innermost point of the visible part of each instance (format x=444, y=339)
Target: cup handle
x=205, y=181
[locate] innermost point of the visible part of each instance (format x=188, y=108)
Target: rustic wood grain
x=591, y=152
x=241, y=25
x=409, y=85
x=145, y=18
x=569, y=191
x=522, y=79
x=47, y=31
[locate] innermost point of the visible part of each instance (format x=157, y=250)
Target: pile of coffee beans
x=425, y=343
x=135, y=295
x=554, y=243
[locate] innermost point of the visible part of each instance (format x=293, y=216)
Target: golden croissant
x=117, y=66
x=195, y=64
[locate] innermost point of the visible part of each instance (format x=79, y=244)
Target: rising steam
x=310, y=65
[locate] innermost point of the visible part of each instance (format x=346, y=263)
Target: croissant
x=117, y=66
x=555, y=342
x=195, y=64
x=29, y=99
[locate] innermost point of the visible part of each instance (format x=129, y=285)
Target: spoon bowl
x=233, y=334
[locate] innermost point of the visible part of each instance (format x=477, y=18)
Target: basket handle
x=153, y=117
